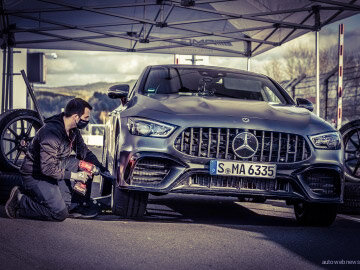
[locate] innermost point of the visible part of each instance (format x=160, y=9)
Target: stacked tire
x=351, y=203
x=351, y=138
x=17, y=128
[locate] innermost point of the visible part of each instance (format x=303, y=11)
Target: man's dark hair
x=76, y=106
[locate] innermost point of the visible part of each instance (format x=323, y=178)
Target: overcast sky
x=76, y=67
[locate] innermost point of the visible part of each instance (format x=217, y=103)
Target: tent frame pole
x=317, y=37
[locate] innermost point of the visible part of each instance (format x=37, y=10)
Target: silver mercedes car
x=219, y=131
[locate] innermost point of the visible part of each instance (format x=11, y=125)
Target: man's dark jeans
x=44, y=199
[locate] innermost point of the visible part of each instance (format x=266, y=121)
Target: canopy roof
x=202, y=27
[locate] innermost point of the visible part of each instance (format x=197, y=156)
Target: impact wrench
x=91, y=170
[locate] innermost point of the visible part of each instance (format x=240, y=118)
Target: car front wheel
x=129, y=203
x=315, y=214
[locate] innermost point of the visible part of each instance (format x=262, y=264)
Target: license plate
x=247, y=169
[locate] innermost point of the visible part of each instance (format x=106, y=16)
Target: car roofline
x=211, y=68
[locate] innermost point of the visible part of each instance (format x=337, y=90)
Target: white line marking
x=349, y=218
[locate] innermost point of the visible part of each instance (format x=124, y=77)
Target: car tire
x=351, y=133
x=11, y=140
x=315, y=214
x=259, y=199
x=351, y=199
x=7, y=182
x=105, y=185
x=129, y=203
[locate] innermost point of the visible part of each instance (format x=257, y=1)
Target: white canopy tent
x=204, y=27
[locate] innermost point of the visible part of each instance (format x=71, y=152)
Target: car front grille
x=239, y=183
x=274, y=147
x=150, y=170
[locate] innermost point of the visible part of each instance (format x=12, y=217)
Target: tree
x=274, y=69
x=301, y=60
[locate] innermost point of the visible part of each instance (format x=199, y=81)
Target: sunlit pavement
x=182, y=232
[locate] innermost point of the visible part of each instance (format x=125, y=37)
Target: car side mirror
x=304, y=103
x=118, y=91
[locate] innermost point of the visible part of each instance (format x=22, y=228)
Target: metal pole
x=326, y=98
x=317, y=74
x=340, y=77
x=248, y=64
x=11, y=71
x=31, y=92
x=7, y=81
x=3, y=90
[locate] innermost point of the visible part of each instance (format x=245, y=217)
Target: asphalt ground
x=183, y=232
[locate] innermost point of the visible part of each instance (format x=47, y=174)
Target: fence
x=306, y=88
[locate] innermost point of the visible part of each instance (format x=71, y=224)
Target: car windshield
x=209, y=82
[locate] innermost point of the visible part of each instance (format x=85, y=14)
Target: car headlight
x=146, y=127
x=330, y=141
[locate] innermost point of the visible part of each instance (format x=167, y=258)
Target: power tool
x=91, y=170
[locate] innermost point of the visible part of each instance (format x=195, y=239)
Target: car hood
x=197, y=105
x=217, y=110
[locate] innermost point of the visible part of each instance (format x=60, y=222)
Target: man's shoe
x=12, y=203
x=84, y=212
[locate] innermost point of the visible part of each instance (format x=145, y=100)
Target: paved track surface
x=181, y=232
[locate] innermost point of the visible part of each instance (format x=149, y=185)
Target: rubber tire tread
x=106, y=185
x=315, y=214
x=351, y=124
x=351, y=199
x=343, y=129
x=129, y=203
x=4, y=119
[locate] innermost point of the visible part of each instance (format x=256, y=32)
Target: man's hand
x=79, y=176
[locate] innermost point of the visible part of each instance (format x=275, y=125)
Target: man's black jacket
x=48, y=155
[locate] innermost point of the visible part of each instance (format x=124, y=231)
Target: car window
x=131, y=94
x=162, y=81
x=209, y=82
x=269, y=95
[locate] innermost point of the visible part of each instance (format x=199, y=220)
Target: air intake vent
x=150, y=170
x=243, y=183
x=323, y=181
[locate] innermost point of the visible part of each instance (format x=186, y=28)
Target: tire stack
x=351, y=138
x=13, y=122
x=351, y=203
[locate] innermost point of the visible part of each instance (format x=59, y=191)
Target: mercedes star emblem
x=246, y=120
x=245, y=145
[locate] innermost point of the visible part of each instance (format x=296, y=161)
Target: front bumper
x=164, y=173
